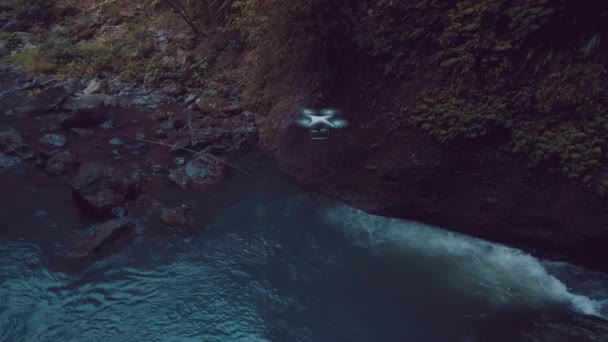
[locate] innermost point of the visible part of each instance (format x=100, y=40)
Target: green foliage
x=12, y=39
x=34, y=61
x=468, y=116
x=534, y=68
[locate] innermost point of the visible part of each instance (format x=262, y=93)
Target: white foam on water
x=500, y=273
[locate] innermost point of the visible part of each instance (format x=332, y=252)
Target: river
x=267, y=261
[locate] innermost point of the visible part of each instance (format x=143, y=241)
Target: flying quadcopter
x=319, y=123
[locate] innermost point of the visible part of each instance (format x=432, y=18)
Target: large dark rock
x=7, y=161
x=99, y=237
x=16, y=26
x=199, y=171
x=98, y=189
x=4, y=51
x=12, y=143
x=179, y=177
x=53, y=140
x=86, y=111
x=203, y=170
x=61, y=162
x=49, y=99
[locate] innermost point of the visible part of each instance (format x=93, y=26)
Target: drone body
x=319, y=123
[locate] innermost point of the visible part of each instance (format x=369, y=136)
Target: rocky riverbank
x=96, y=138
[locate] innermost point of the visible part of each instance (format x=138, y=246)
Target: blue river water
x=266, y=261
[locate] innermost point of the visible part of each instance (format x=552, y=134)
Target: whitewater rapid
x=503, y=275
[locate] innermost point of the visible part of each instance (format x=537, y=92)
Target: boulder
x=177, y=217
x=49, y=99
x=173, y=89
x=86, y=111
x=7, y=161
x=97, y=189
x=87, y=102
x=96, y=85
x=179, y=177
x=16, y=26
x=11, y=143
x=54, y=140
x=4, y=51
x=61, y=163
x=101, y=236
x=203, y=170
x=198, y=171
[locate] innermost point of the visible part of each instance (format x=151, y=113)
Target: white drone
x=325, y=119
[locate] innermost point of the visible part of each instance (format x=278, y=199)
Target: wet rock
x=137, y=149
x=107, y=125
x=119, y=212
x=190, y=99
x=141, y=100
x=61, y=163
x=177, y=217
x=179, y=177
x=7, y=161
x=53, y=140
x=97, y=189
x=96, y=85
x=173, y=89
x=49, y=99
x=73, y=85
x=103, y=235
x=180, y=160
x=116, y=142
x=4, y=51
x=199, y=171
x=87, y=111
x=16, y=26
x=160, y=133
x=87, y=102
x=203, y=170
x=82, y=133
x=11, y=143
x=158, y=168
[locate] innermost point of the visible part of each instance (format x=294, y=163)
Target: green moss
x=34, y=61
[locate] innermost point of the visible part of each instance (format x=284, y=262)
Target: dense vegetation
x=533, y=69
x=536, y=69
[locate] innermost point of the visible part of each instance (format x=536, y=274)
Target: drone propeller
x=304, y=122
x=339, y=123
x=328, y=112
